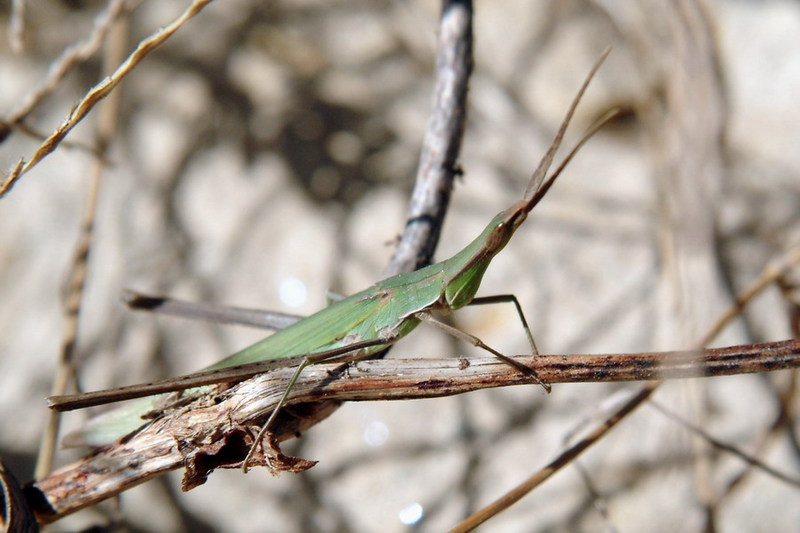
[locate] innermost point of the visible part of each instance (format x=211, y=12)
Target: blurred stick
x=70, y=58
x=707, y=437
x=16, y=26
x=442, y=142
x=218, y=314
x=106, y=129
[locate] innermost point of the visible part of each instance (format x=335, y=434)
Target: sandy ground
x=264, y=156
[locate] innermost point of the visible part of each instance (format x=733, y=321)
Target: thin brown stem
x=442, y=142
x=563, y=459
x=717, y=443
x=98, y=92
x=224, y=416
x=73, y=56
x=106, y=128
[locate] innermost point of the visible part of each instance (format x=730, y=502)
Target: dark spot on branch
x=431, y=384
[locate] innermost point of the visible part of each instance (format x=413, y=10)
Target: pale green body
x=388, y=310
x=387, y=306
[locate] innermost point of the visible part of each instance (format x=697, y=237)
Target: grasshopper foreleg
x=505, y=298
x=348, y=353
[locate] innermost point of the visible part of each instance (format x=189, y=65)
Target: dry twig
x=106, y=129
x=216, y=431
x=98, y=92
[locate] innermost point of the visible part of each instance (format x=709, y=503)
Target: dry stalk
x=216, y=430
x=98, y=92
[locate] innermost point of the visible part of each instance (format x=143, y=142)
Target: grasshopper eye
x=500, y=236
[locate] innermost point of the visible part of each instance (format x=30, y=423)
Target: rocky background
x=264, y=155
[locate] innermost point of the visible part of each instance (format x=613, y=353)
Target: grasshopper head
x=465, y=270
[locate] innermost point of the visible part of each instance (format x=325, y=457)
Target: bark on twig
x=216, y=430
x=441, y=144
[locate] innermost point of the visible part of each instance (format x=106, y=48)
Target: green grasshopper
x=360, y=325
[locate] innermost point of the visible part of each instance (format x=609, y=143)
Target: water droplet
x=292, y=292
x=411, y=514
x=376, y=434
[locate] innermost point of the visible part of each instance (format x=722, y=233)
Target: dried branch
x=98, y=92
x=106, y=130
x=16, y=26
x=442, y=141
x=216, y=430
x=70, y=58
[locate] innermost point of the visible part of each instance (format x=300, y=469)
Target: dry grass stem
x=106, y=128
x=98, y=92
x=70, y=58
x=196, y=429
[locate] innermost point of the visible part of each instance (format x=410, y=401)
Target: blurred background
x=264, y=155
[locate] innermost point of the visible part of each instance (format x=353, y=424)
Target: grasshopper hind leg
x=348, y=353
x=475, y=341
